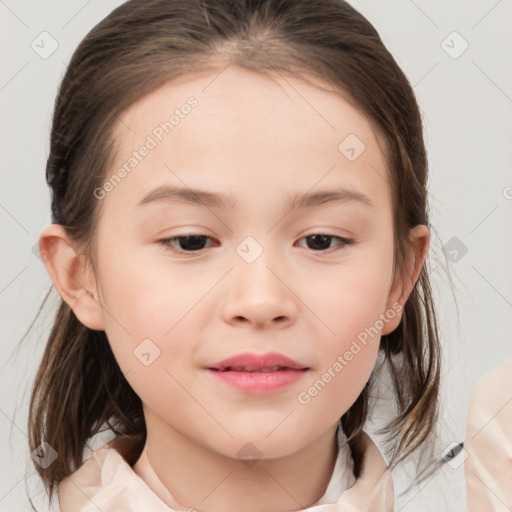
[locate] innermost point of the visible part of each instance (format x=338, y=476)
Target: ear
x=401, y=288
x=71, y=278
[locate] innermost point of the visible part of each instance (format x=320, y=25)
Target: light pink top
x=488, y=466
x=108, y=483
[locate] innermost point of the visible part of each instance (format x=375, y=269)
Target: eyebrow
x=219, y=200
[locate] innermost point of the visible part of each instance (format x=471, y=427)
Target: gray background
x=466, y=101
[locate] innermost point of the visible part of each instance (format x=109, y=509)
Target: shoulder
x=493, y=380
x=490, y=405
x=80, y=487
x=107, y=480
x=488, y=441
x=373, y=490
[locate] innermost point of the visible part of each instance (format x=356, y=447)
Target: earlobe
x=68, y=271
x=402, y=287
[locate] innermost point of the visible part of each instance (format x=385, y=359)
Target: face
x=187, y=281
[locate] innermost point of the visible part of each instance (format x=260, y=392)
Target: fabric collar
x=107, y=482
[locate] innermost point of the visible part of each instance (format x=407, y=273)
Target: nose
x=259, y=294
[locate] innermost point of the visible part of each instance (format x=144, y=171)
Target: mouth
x=258, y=374
x=257, y=370
x=265, y=363
x=261, y=381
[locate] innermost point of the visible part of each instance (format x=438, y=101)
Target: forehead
x=234, y=123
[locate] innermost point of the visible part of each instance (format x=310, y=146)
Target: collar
x=107, y=482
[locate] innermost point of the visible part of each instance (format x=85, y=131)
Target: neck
x=198, y=477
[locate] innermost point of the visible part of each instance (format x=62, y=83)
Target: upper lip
x=258, y=361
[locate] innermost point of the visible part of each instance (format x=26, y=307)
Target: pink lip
x=251, y=379
x=257, y=361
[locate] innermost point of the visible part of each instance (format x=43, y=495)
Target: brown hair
x=79, y=387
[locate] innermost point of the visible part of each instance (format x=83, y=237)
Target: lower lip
x=259, y=382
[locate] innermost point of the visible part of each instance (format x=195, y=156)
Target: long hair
x=143, y=44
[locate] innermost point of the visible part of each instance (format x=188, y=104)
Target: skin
x=259, y=140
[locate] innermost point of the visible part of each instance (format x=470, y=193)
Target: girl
x=239, y=236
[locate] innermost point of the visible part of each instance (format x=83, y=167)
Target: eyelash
x=168, y=242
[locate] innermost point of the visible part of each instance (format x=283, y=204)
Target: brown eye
x=185, y=243
x=320, y=242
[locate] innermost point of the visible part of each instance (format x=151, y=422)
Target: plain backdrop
x=456, y=54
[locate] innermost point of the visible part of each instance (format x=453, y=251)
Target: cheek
x=352, y=299
x=336, y=389
x=148, y=314
x=350, y=302
x=346, y=356
x=144, y=297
